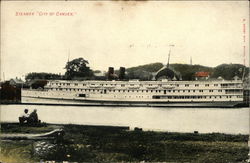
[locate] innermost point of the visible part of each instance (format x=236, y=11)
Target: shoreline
x=128, y=105
x=131, y=129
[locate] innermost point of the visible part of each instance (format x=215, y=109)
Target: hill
x=226, y=71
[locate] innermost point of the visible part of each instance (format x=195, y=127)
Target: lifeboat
x=109, y=86
x=94, y=86
x=152, y=86
x=133, y=87
x=168, y=87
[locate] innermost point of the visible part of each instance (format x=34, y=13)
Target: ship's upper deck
x=136, y=84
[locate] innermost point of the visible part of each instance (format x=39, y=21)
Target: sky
x=41, y=36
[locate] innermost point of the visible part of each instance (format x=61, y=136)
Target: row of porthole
x=123, y=85
x=156, y=91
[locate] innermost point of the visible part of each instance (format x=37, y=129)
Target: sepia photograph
x=124, y=81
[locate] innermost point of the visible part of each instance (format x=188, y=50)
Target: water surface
x=204, y=120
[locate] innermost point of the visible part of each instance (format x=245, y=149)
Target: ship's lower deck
x=133, y=98
x=94, y=102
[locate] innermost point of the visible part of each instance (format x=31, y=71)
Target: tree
x=42, y=75
x=228, y=71
x=78, y=68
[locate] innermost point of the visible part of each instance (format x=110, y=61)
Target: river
x=203, y=120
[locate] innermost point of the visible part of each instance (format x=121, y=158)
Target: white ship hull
x=54, y=101
x=138, y=93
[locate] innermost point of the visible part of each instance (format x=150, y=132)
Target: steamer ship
x=207, y=93
x=166, y=91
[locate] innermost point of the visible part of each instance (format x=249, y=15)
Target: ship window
x=128, y=90
x=131, y=84
x=159, y=85
x=196, y=85
x=132, y=90
x=173, y=90
x=186, y=85
x=76, y=84
x=122, y=85
x=210, y=90
x=82, y=95
x=178, y=90
x=68, y=83
x=113, y=90
x=188, y=90
x=206, y=85
x=183, y=90
x=215, y=85
x=219, y=90
x=193, y=90
x=83, y=84
x=200, y=90
x=151, y=90
x=177, y=85
x=123, y=90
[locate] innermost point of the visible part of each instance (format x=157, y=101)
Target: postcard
x=124, y=81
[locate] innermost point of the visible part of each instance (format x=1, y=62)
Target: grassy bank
x=110, y=144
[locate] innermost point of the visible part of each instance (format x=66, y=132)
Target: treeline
x=187, y=72
x=78, y=69
x=42, y=75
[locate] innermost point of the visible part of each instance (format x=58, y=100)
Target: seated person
x=33, y=117
x=24, y=117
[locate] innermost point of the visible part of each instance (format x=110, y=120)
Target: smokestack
x=110, y=73
x=122, y=73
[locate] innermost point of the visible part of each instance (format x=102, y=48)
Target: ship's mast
x=68, y=55
x=169, y=54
